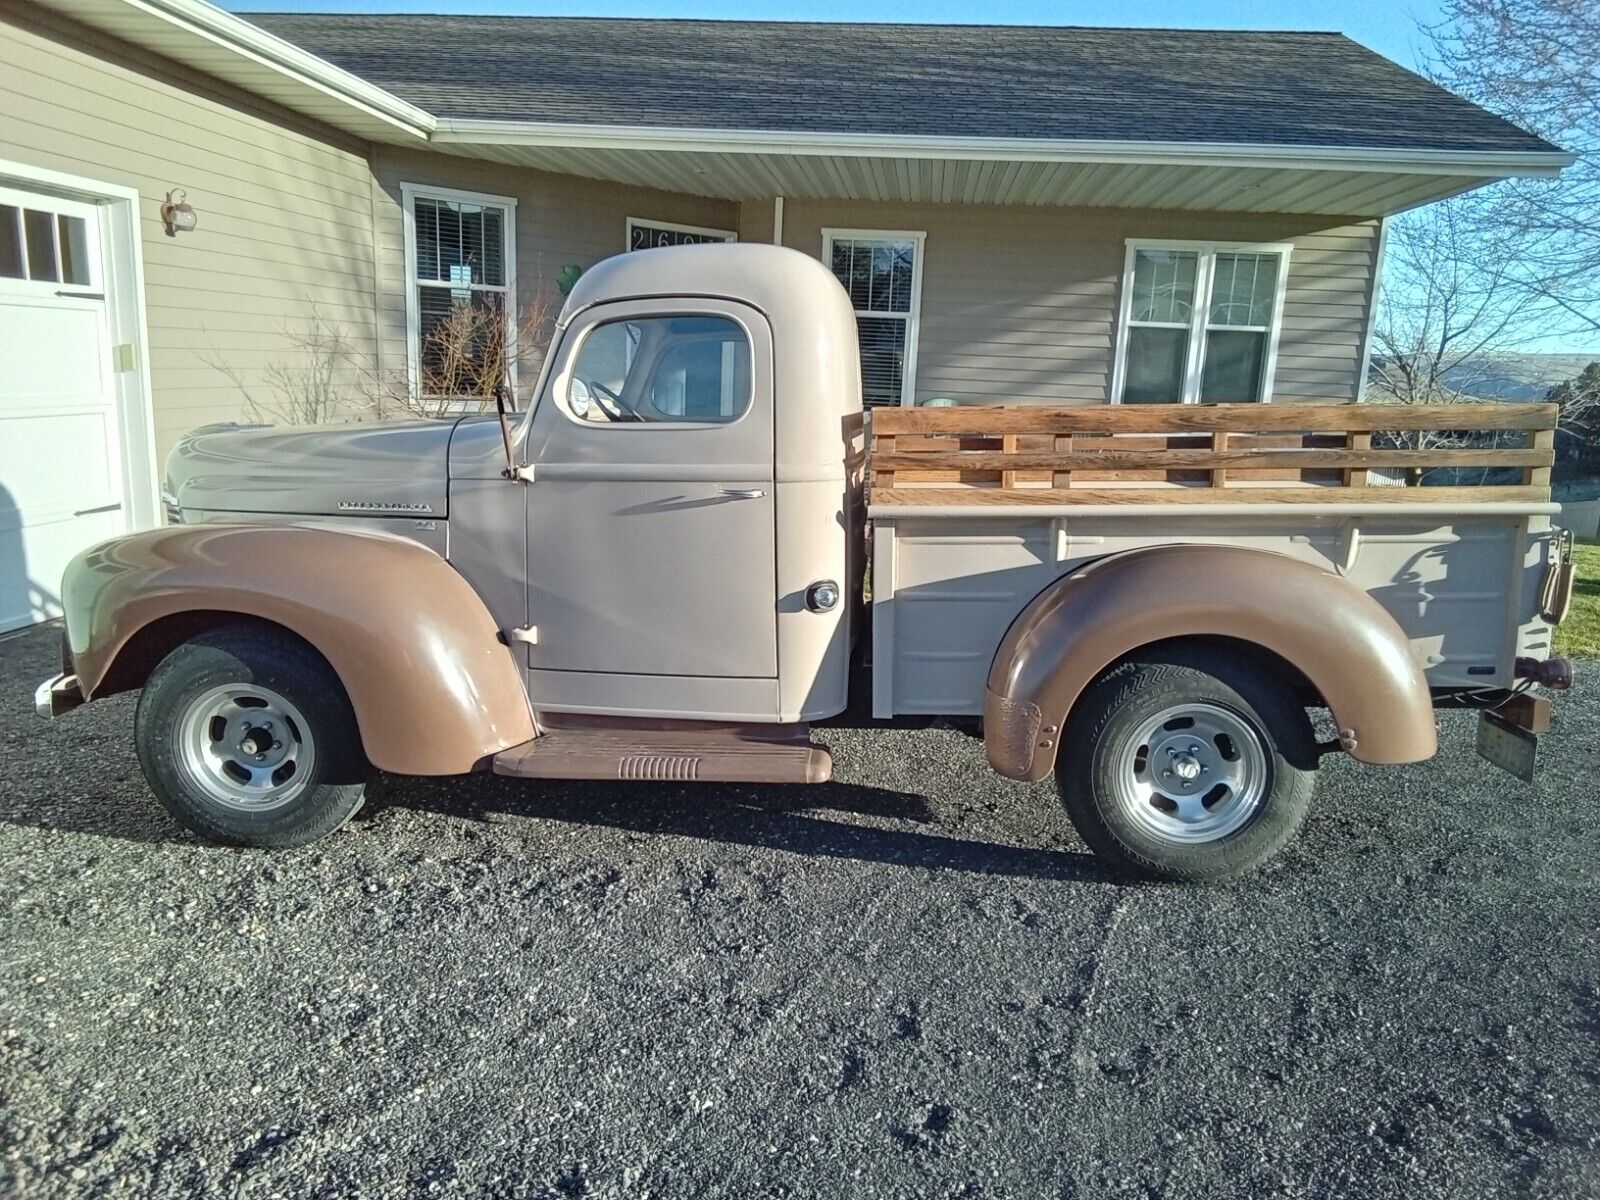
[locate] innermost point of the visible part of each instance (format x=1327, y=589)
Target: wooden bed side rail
x=1224, y=452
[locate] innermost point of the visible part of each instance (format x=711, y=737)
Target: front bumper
x=56, y=696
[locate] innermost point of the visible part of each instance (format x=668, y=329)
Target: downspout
x=777, y=220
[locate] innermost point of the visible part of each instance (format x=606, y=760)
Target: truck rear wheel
x=1194, y=767
x=246, y=736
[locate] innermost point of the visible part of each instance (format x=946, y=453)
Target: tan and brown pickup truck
x=659, y=572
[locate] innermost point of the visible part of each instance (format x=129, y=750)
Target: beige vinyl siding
x=284, y=207
x=561, y=220
x=1019, y=305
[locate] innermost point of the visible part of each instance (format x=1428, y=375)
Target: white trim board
x=1374, y=295
x=217, y=27
x=1205, y=251
x=409, y=192
x=874, y=145
x=123, y=253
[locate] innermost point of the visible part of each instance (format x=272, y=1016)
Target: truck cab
x=688, y=529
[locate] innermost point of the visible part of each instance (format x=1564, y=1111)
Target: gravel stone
x=912, y=982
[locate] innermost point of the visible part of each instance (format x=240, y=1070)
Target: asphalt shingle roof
x=1159, y=85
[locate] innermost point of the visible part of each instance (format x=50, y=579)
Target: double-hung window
x=1199, y=323
x=461, y=301
x=882, y=271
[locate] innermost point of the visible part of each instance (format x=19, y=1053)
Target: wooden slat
x=1232, y=418
x=1062, y=448
x=1538, y=474
x=1360, y=442
x=1219, y=449
x=1466, y=497
x=883, y=450
x=1080, y=459
x=1008, y=444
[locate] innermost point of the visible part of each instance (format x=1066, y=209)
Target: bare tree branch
x=1537, y=63
x=464, y=358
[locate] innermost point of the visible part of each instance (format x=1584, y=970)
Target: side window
x=660, y=370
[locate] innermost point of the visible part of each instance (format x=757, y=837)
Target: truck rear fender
x=1351, y=651
x=434, y=690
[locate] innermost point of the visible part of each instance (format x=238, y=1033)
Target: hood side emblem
x=379, y=506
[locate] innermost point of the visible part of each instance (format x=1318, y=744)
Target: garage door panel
x=33, y=560
x=53, y=353
x=58, y=464
x=60, y=446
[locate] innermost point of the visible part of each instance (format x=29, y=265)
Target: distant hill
x=1513, y=376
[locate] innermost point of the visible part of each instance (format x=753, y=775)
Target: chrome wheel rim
x=245, y=747
x=1193, y=773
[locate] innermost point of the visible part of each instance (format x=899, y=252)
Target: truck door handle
x=742, y=493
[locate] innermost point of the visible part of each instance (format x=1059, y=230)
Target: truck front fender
x=1345, y=644
x=434, y=690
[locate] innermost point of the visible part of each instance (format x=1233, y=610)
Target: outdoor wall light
x=177, y=214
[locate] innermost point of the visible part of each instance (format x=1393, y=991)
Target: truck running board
x=583, y=747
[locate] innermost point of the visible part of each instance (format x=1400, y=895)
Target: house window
x=1199, y=323
x=882, y=271
x=461, y=303
x=651, y=235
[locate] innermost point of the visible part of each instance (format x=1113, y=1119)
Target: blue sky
x=1389, y=28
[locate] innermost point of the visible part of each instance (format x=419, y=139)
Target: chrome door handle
x=742, y=493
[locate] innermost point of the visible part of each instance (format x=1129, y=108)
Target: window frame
x=410, y=193
x=727, y=235
x=1199, y=318
x=913, y=316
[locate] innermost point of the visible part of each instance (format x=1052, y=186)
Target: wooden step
x=574, y=747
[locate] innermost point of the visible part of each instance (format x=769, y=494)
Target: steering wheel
x=610, y=402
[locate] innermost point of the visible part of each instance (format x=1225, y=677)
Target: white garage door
x=60, y=449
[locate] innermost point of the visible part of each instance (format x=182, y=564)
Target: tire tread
x=1229, y=678
x=247, y=651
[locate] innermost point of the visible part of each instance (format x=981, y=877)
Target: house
x=1044, y=215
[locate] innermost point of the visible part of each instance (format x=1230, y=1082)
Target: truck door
x=651, y=542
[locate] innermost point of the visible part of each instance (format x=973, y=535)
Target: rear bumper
x=56, y=696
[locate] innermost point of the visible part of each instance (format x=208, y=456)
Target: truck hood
x=394, y=468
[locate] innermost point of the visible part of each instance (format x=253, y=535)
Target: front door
x=60, y=447
x=651, y=541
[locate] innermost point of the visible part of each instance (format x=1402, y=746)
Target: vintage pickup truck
x=659, y=572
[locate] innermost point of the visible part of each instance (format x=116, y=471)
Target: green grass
x=1579, y=635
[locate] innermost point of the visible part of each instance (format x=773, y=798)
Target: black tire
x=1103, y=751
x=326, y=794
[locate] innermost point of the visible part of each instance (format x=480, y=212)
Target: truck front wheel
x=246, y=736
x=1196, y=766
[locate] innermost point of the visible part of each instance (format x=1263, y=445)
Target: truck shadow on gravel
x=784, y=820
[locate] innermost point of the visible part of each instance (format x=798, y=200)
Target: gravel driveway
x=912, y=982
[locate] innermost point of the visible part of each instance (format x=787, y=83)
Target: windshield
x=662, y=369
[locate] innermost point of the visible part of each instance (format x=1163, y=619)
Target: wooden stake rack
x=1211, y=453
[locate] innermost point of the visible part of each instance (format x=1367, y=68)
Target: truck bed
x=1442, y=513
